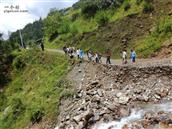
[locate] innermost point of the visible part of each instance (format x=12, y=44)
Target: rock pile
x=110, y=92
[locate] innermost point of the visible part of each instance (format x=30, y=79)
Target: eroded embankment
x=109, y=93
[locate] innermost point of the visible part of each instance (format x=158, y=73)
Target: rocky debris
x=123, y=99
x=109, y=92
x=95, y=82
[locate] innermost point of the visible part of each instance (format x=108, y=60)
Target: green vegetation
x=35, y=89
x=89, y=9
x=61, y=27
x=154, y=41
x=6, y=58
x=102, y=18
x=138, y=2
x=147, y=7
x=127, y=5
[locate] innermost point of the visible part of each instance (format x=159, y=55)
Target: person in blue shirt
x=81, y=54
x=133, y=56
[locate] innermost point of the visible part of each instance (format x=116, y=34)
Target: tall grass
x=34, y=92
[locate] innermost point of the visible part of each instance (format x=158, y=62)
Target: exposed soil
x=165, y=51
x=120, y=34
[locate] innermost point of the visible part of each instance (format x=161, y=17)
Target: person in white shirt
x=124, y=57
x=89, y=55
x=78, y=52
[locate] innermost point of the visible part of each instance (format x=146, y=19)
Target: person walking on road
x=124, y=57
x=100, y=57
x=89, y=55
x=42, y=46
x=78, y=53
x=133, y=56
x=96, y=57
x=65, y=50
x=108, y=56
x=81, y=54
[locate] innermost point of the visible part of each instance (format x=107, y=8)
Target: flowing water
x=136, y=114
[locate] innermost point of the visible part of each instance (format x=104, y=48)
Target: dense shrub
x=101, y=4
x=19, y=63
x=65, y=27
x=89, y=9
x=2, y=100
x=52, y=24
x=102, y=18
x=110, y=3
x=74, y=29
x=164, y=25
x=17, y=107
x=104, y=4
x=36, y=115
x=74, y=16
x=127, y=5
x=53, y=36
x=148, y=7
x=149, y=1
x=138, y=2
x=6, y=59
x=167, y=28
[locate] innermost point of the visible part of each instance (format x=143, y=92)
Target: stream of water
x=136, y=114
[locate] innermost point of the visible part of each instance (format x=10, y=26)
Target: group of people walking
x=72, y=52
x=97, y=57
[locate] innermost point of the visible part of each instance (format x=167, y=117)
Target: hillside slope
x=133, y=31
x=145, y=31
x=35, y=89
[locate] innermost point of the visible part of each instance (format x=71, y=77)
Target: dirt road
x=139, y=62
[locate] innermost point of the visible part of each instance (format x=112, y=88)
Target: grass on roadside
x=35, y=89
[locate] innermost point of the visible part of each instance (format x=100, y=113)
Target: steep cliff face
x=109, y=93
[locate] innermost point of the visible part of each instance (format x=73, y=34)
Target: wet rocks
x=124, y=112
x=151, y=120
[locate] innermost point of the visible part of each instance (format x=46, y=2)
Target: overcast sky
x=36, y=9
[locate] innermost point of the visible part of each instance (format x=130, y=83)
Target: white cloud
x=36, y=9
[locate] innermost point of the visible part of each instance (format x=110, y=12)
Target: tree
x=102, y=18
x=52, y=24
x=5, y=49
x=89, y=9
